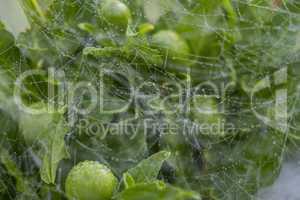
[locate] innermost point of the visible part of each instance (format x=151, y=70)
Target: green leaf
x=12, y=169
x=9, y=53
x=55, y=151
x=128, y=180
x=156, y=191
x=22, y=183
x=48, y=47
x=72, y=12
x=1, y=25
x=10, y=67
x=4, y=89
x=147, y=170
x=46, y=131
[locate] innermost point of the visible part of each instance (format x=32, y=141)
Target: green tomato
x=90, y=180
x=170, y=42
x=116, y=13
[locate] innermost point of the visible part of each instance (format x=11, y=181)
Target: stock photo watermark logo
x=150, y=127
x=278, y=119
x=207, y=109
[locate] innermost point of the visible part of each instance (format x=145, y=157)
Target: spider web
x=262, y=42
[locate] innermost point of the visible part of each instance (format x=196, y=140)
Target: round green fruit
x=172, y=43
x=116, y=13
x=90, y=180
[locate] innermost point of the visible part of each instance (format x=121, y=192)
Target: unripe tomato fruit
x=172, y=42
x=90, y=180
x=116, y=13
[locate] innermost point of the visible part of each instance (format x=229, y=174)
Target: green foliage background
x=230, y=42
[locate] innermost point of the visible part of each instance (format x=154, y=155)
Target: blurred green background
x=13, y=17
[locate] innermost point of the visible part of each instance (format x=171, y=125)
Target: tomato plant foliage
x=184, y=93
